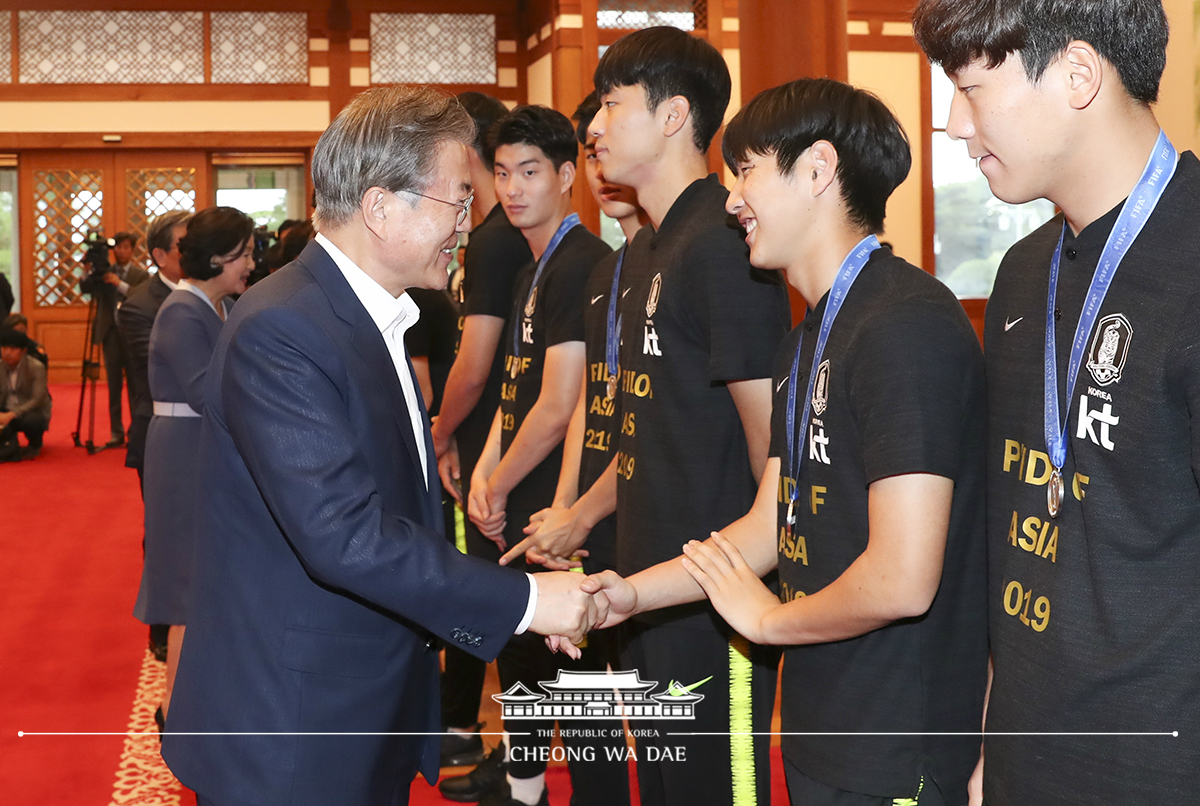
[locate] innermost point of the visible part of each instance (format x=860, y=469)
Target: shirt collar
x=385, y=310
x=167, y=282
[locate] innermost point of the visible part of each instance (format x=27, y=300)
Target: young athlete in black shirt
x=699, y=328
x=871, y=502
x=583, y=510
x=1093, y=502
x=535, y=153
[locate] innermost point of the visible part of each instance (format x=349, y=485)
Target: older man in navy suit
x=322, y=578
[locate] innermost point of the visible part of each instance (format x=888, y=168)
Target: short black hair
x=484, y=111
x=873, y=151
x=14, y=338
x=1130, y=34
x=538, y=126
x=584, y=113
x=125, y=236
x=667, y=62
x=211, y=233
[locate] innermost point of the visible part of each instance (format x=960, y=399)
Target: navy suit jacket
x=321, y=571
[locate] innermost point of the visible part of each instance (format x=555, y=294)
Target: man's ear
x=1085, y=70
x=675, y=111
x=824, y=159
x=566, y=176
x=374, y=210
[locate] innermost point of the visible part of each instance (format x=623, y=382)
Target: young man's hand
x=731, y=585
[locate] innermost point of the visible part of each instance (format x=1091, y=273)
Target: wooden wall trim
x=241, y=141
x=164, y=92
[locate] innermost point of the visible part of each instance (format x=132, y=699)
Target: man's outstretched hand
x=565, y=612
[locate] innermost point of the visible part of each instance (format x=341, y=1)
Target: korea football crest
x=531, y=303
x=655, y=292
x=1110, y=348
x=821, y=389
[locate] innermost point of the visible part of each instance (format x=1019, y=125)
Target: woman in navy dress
x=216, y=255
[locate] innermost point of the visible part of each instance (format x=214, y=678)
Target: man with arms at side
x=535, y=152
x=322, y=581
x=700, y=326
x=1092, y=340
x=495, y=253
x=135, y=320
x=586, y=497
x=871, y=505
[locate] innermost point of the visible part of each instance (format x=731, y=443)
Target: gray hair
x=161, y=230
x=386, y=137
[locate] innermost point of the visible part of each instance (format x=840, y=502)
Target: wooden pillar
x=783, y=40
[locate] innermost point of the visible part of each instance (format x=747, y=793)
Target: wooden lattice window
x=68, y=206
x=150, y=192
x=690, y=15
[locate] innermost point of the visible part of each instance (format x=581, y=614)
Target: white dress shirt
x=394, y=316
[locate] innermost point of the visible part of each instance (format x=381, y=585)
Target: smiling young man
x=535, y=153
x=699, y=328
x=871, y=502
x=1093, y=360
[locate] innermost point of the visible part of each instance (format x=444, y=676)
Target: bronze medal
x=612, y=386
x=1054, y=492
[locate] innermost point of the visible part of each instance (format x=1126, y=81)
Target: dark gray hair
x=161, y=230
x=386, y=137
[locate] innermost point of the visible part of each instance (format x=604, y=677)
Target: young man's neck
x=538, y=236
x=666, y=181
x=630, y=224
x=483, y=185
x=814, y=271
x=1106, y=168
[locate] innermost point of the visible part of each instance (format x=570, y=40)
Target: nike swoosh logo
x=596, y=299
x=1009, y=325
x=623, y=293
x=779, y=385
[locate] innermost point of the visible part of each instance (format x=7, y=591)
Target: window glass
x=9, y=262
x=972, y=228
x=269, y=194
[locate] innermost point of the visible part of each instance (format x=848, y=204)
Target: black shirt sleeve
x=745, y=310
x=909, y=391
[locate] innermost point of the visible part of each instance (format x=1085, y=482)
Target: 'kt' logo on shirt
x=1088, y=419
x=816, y=444
x=650, y=342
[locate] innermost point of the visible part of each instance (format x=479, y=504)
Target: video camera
x=95, y=256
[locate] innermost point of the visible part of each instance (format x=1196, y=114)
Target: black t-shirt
x=695, y=315
x=1095, y=621
x=495, y=254
x=550, y=316
x=435, y=337
x=900, y=389
x=602, y=414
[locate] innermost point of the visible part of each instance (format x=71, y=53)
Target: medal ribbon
x=1134, y=213
x=847, y=274
x=569, y=223
x=613, y=328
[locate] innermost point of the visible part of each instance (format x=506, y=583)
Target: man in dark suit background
x=135, y=320
x=322, y=577
x=109, y=290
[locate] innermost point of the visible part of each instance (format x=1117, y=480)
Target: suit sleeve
x=284, y=390
x=180, y=338
x=40, y=392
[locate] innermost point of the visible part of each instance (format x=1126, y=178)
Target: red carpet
x=72, y=658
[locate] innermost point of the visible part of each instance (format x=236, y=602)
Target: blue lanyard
x=568, y=224
x=1136, y=210
x=847, y=274
x=612, y=340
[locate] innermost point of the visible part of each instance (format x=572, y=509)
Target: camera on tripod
x=95, y=256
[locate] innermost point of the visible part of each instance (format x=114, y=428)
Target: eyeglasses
x=464, y=206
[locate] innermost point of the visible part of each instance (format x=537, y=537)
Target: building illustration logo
x=600, y=695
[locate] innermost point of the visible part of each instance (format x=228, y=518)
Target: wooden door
x=67, y=195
